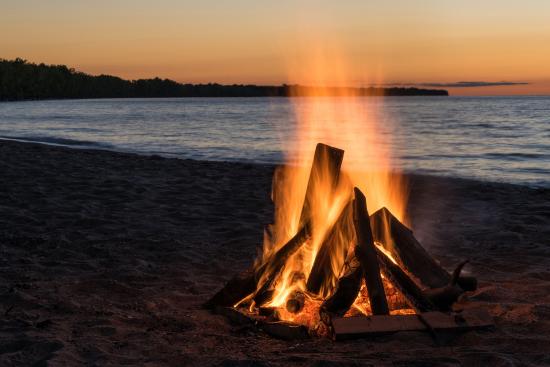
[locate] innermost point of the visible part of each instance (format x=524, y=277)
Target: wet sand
x=106, y=258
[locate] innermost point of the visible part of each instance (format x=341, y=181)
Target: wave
x=55, y=141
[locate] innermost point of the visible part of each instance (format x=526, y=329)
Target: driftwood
x=444, y=297
x=405, y=247
x=346, y=291
x=365, y=251
x=337, y=240
x=401, y=280
x=360, y=326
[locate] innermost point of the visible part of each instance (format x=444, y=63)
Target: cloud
x=463, y=84
x=472, y=84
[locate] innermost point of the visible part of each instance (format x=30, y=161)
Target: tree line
x=22, y=80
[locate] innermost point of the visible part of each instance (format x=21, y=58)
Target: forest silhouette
x=23, y=80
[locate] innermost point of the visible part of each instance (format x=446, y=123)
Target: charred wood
x=405, y=247
x=325, y=169
x=401, y=280
x=335, y=244
x=238, y=287
x=295, y=302
x=346, y=291
x=365, y=251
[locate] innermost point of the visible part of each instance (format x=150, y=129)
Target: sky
x=468, y=47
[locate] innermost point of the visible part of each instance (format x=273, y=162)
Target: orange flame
x=347, y=122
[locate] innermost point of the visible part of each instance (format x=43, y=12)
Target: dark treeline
x=21, y=80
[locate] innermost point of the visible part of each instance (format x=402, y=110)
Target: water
x=489, y=138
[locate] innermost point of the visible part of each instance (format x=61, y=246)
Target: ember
x=338, y=262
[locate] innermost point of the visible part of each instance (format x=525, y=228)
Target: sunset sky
x=244, y=41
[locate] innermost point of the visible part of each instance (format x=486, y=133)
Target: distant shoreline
x=24, y=81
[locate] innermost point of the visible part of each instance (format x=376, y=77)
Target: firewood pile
x=385, y=267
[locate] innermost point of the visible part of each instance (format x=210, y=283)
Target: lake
x=505, y=139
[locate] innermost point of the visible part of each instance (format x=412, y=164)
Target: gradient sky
x=246, y=41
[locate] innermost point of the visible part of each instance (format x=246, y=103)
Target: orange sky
x=245, y=41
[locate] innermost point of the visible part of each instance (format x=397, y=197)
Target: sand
x=106, y=258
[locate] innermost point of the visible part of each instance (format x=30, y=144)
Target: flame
x=346, y=121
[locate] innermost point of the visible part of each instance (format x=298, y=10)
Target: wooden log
x=273, y=266
x=295, y=302
x=346, y=291
x=279, y=329
x=246, y=283
x=365, y=251
x=325, y=169
x=401, y=280
x=444, y=297
x=409, y=252
x=362, y=326
x=238, y=287
x=335, y=244
x=326, y=166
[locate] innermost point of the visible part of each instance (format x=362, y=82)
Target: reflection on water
x=491, y=138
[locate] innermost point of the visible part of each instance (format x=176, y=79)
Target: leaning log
x=238, y=287
x=401, y=280
x=336, y=244
x=267, y=273
x=365, y=251
x=326, y=166
x=401, y=243
x=325, y=170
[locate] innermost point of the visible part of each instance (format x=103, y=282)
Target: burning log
x=365, y=251
x=342, y=232
x=401, y=243
x=404, y=283
x=272, y=267
x=346, y=292
x=238, y=287
x=296, y=302
x=325, y=168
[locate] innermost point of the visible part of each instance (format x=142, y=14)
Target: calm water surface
x=490, y=138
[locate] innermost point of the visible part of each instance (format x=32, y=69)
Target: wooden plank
x=362, y=326
x=359, y=326
x=365, y=251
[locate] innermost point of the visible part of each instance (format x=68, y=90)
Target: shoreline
x=88, y=145
x=107, y=258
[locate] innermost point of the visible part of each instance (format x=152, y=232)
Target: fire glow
x=324, y=258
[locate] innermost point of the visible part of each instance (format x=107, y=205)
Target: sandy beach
x=107, y=257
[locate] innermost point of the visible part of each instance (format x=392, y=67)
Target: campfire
x=328, y=268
